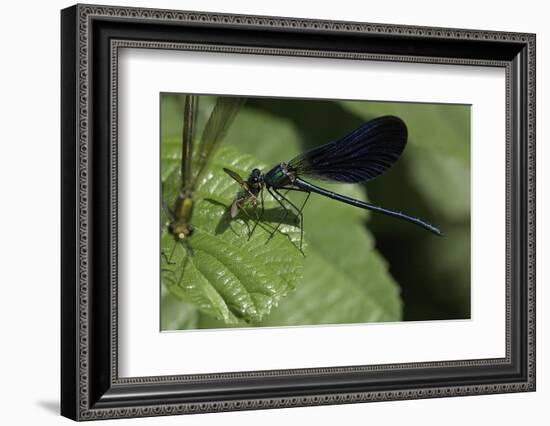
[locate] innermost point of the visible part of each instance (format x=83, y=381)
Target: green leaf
x=220, y=270
x=345, y=278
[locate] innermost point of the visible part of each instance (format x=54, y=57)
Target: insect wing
x=190, y=108
x=362, y=155
x=235, y=176
x=218, y=123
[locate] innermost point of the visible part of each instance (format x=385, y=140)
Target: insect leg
x=262, y=210
x=274, y=195
x=169, y=259
x=302, y=220
x=298, y=210
x=243, y=210
x=167, y=211
x=168, y=270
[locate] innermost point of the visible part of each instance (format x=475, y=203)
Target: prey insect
x=360, y=156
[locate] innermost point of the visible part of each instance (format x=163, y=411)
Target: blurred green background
x=358, y=267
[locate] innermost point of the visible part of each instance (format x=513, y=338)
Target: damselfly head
x=255, y=178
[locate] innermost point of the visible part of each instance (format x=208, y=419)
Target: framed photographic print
x=263, y=212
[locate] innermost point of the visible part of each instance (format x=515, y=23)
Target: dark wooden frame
x=90, y=386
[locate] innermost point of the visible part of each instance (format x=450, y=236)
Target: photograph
x=281, y=212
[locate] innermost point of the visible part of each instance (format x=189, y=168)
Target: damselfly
x=360, y=156
x=179, y=216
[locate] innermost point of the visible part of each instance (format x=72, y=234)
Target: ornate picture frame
x=91, y=39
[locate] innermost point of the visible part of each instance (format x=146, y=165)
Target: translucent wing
x=218, y=123
x=362, y=155
x=235, y=176
x=190, y=107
